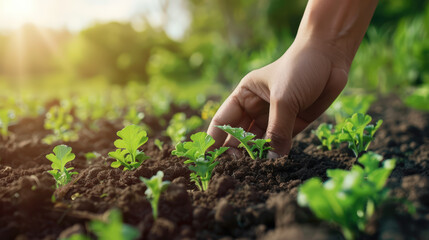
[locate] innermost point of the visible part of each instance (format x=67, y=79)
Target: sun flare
x=19, y=11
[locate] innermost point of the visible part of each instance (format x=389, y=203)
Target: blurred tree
x=116, y=51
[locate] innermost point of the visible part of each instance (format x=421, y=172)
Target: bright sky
x=78, y=14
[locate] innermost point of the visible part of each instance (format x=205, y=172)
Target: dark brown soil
x=246, y=199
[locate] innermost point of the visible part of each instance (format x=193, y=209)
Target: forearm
x=339, y=23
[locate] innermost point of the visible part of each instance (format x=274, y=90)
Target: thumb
x=281, y=122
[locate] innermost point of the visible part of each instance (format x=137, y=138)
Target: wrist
x=340, y=25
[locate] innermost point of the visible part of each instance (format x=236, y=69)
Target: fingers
x=280, y=126
x=230, y=113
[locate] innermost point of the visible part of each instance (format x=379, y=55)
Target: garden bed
x=247, y=199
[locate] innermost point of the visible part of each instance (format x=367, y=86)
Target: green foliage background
x=224, y=41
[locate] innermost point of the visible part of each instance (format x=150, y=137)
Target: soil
x=247, y=199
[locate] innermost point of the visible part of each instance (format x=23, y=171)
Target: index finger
x=229, y=113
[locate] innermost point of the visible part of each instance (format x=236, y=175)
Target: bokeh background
x=188, y=49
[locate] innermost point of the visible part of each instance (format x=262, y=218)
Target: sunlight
x=19, y=11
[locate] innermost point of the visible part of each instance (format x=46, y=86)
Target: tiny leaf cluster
x=155, y=186
x=356, y=131
x=327, y=135
x=111, y=228
x=60, y=121
x=200, y=163
x=180, y=126
x=62, y=155
x=6, y=116
x=255, y=147
x=127, y=154
x=349, y=198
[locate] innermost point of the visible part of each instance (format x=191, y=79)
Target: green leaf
x=113, y=228
x=155, y=186
x=133, y=137
x=62, y=155
x=201, y=141
x=243, y=137
x=201, y=164
x=127, y=154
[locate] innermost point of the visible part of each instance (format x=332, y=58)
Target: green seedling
x=255, y=147
x=349, y=198
x=110, y=228
x=155, y=186
x=62, y=155
x=327, y=135
x=6, y=116
x=358, y=133
x=179, y=127
x=127, y=154
x=201, y=164
x=60, y=121
x=159, y=144
x=89, y=156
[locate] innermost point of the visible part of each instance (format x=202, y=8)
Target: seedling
x=113, y=228
x=159, y=144
x=155, y=186
x=91, y=156
x=60, y=121
x=358, y=133
x=327, y=135
x=110, y=228
x=255, y=147
x=6, y=116
x=201, y=164
x=349, y=198
x=62, y=155
x=127, y=154
x=180, y=126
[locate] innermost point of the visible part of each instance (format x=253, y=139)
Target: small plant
x=62, y=155
x=327, y=135
x=127, y=154
x=155, y=186
x=6, y=116
x=60, y=121
x=202, y=164
x=89, y=156
x=358, y=133
x=179, y=127
x=111, y=228
x=349, y=198
x=255, y=147
x=159, y=144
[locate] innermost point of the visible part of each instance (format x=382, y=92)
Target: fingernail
x=272, y=155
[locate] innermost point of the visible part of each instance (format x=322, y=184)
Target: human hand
x=281, y=99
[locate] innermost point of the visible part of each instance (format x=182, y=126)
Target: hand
x=281, y=99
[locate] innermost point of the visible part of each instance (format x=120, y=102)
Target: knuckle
x=277, y=138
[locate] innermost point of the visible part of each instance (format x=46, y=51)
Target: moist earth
x=247, y=199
